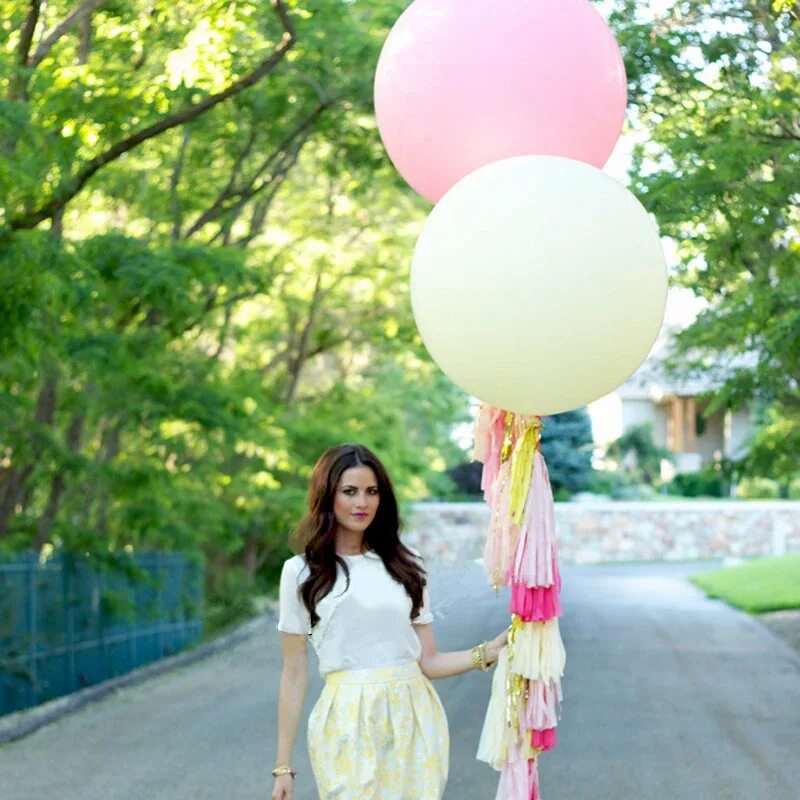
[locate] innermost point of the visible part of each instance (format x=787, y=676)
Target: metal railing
x=71, y=621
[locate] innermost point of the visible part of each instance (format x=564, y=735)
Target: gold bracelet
x=479, y=657
x=283, y=770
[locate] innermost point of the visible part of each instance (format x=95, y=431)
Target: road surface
x=666, y=695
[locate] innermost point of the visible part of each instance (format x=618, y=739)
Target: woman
x=378, y=730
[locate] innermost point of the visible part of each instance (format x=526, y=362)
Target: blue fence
x=68, y=623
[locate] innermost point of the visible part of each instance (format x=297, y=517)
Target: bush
x=610, y=483
x=638, y=441
x=229, y=600
x=705, y=483
x=462, y=480
x=757, y=489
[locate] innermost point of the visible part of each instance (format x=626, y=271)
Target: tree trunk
x=254, y=557
x=18, y=85
x=110, y=450
x=302, y=347
x=58, y=484
x=250, y=555
x=13, y=481
x=85, y=41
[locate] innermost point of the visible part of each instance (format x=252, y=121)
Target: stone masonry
x=596, y=531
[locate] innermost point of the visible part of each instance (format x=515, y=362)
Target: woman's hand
x=283, y=788
x=494, y=647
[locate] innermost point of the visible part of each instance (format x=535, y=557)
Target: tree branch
x=72, y=185
x=19, y=82
x=85, y=33
x=223, y=333
x=85, y=9
x=229, y=192
x=243, y=194
x=273, y=184
x=175, y=202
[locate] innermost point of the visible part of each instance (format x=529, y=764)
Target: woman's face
x=356, y=500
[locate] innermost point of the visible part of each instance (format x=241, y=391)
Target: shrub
x=610, y=483
x=705, y=483
x=757, y=488
x=638, y=440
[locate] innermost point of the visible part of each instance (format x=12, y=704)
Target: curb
x=22, y=723
x=789, y=636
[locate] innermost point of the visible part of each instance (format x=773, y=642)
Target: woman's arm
x=441, y=665
x=292, y=693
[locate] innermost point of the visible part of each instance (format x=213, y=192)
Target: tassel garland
x=520, y=552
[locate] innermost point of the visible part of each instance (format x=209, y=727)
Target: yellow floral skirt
x=379, y=734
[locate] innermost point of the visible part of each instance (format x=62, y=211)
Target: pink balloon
x=462, y=83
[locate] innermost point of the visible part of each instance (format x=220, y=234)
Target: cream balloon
x=538, y=284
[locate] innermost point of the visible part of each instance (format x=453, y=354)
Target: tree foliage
x=637, y=445
x=567, y=448
x=715, y=89
x=189, y=317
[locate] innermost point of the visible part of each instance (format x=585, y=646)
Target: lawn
x=765, y=584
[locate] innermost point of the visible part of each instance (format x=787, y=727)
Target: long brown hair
x=315, y=536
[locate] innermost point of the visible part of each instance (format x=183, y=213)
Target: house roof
x=652, y=382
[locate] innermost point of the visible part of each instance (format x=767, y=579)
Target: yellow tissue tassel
x=511, y=710
x=539, y=653
x=516, y=687
x=521, y=473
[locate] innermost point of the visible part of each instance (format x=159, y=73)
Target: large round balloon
x=538, y=284
x=462, y=83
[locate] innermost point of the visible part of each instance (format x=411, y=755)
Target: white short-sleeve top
x=365, y=625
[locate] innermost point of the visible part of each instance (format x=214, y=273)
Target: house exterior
x=675, y=411
x=674, y=408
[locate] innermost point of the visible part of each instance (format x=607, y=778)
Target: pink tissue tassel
x=543, y=708
x=482, y=432
x=519, y=778
x=537, y=603
x=535, y=555
x=493, y=453
x=501, y=541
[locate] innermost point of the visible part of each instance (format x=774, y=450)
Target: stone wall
x=592, y=532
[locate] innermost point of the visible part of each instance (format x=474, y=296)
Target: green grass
x=764, y=584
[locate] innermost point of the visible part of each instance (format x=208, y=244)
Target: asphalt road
x=666, y=695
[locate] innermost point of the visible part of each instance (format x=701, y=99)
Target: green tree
x=714, y=89
x=189, y=317
x=567, y=448
x=637, y=443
